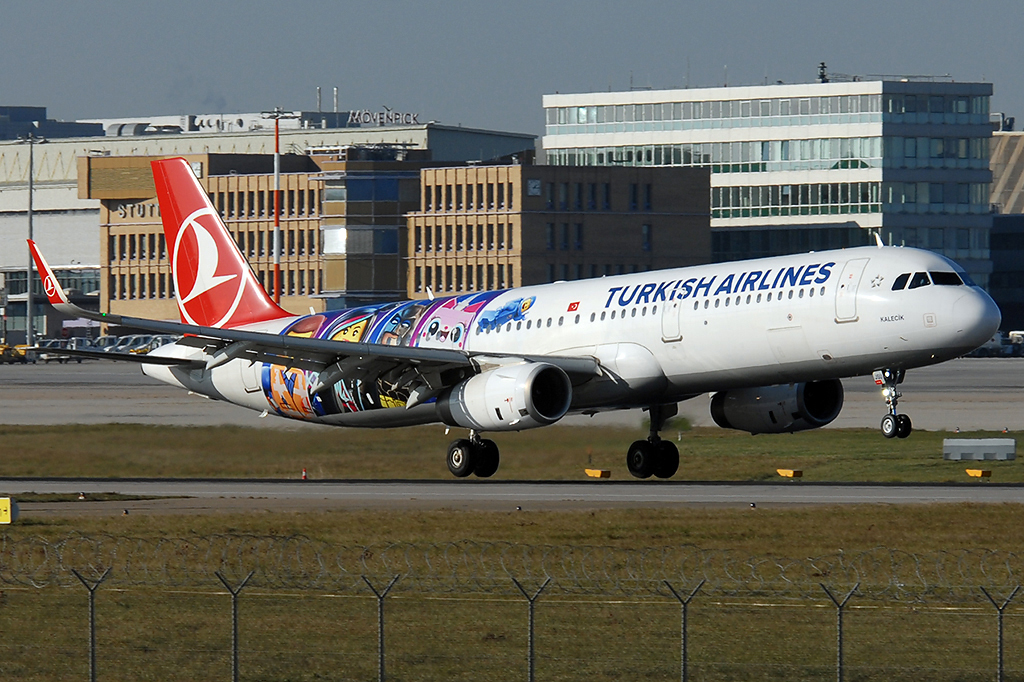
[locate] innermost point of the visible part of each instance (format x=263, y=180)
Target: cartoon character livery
x=768, y=339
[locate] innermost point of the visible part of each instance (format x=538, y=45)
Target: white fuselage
x=663, y=336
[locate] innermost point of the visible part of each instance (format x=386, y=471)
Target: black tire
x=640, y=459
x=667, y=459
x=487, y=458
x=890, y=425
x=903, y=426
x=461, y=458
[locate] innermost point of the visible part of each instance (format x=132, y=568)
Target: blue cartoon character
x=512, y=311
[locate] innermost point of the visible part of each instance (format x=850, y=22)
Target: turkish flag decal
x=575, y=305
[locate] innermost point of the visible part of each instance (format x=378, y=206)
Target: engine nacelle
x=510, y=398
x=778, y=409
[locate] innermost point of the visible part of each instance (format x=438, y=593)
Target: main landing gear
x=894, y=425
x=654, y=455
x=473, y=455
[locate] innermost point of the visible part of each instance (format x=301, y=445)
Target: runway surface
x=981, y=393
x=202, y=496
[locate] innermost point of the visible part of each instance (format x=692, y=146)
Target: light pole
x=277, y=114
x=31, y=140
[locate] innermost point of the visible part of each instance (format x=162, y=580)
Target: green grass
x=554, y=453
x=184, y=634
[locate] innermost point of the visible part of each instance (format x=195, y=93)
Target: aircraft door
x=846, y=294
x=670, y=321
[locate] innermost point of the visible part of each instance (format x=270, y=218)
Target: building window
x=592, y=197
x=469, y=277
x=563, y=196
x=549, y=194
x=551, y=236
x=447, y=237
x=427, y=273
x=634, y=191
x=565, y=272
x=131, y=247
x=551, y=272
x=428, y=200
x=565, y=237
x=438, y=206
x=578, y=243
x=501, y=236
x=490, y=277
x=578, y=196
x=509, y=207
x=501, y=195
x=508, y=240
x=458, y=198
x=490, y=195
x=490, y=237
x=648, y=192
x=645, y=236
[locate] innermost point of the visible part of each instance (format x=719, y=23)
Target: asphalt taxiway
x=202, y=496
x=969, y=394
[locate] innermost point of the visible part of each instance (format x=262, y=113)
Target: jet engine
x=510, y=398
x=778, y=409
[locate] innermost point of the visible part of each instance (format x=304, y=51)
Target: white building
x=808, y=166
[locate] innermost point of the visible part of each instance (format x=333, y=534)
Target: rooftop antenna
x=335, y=99
x=822, y=73
x=318, y=99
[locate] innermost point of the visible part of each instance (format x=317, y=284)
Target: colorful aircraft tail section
x=213, y=282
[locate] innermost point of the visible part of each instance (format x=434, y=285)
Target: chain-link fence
x=271, y=607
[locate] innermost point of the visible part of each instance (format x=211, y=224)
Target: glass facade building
x=806, y=166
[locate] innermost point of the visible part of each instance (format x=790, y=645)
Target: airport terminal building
x=806, y=166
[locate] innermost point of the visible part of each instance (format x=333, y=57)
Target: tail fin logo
x=202, y=292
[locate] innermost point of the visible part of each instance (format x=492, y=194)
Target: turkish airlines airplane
x=770, y=339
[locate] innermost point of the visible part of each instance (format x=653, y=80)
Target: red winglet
x=213, y=282
x=51, y=286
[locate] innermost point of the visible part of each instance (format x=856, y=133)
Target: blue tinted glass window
x=386, y=189
x=359, y=190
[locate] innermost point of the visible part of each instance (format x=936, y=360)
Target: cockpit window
x=946, y=278
x=900, y=282
x=920, y=279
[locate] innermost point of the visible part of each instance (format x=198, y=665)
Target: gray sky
x=481, y=64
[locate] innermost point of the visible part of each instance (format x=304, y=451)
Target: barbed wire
x=299, y=562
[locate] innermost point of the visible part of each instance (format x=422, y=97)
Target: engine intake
x=779, y=409
x=510, y=398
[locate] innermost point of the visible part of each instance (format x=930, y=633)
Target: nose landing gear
x=654, y=455
x=473, y=455
x=894, y=425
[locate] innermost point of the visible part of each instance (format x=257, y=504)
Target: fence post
x=685, y=602
x=529, y=637
x=839, y=626
x=234, y=619
x=91, y=586
x=999, y=617
x=380, y=621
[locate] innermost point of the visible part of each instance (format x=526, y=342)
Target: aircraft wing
x=431, y=368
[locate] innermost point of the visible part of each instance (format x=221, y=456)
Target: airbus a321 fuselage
x=770, y=339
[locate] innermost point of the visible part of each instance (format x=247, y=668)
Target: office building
x=807, y=166
x=486, y=227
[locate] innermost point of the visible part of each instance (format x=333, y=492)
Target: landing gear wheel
x=461, y=457
x=641, y=459
x=890, y=426
x=667, y=459
x=903, y=426
x=487, y=458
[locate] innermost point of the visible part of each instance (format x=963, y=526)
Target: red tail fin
x=213, y=282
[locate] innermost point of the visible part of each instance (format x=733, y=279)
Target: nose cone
x=976, y=318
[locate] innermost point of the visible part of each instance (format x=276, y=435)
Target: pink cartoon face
x=447, y=325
